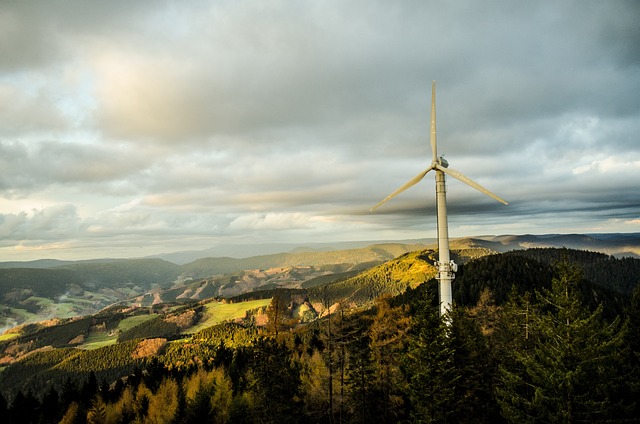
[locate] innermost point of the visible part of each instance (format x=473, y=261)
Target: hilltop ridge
x=36, y=290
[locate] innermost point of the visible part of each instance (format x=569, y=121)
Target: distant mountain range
x=615, y=244
x=240, y=251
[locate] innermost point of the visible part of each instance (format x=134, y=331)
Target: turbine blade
x=415, y=180
x=468, y=181
x=434, y=149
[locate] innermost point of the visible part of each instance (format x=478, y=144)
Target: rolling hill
x=618, y=245
x=37, y=290
x=67, y=289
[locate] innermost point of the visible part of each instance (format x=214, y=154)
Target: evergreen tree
x=474, y=400
x=181, y=407
x=238, y=369
x=68, y=394
x=3, y=406
x=24, y=408
x=199, y=408
x=631, y=357
x=565, y=376
x=97, y=413
x=89, y=390
x=275, y=382
x=239, y=410
x=50, y=408
x=449, y=369
x=430, y=368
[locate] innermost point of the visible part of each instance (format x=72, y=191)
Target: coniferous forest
x=536, y=336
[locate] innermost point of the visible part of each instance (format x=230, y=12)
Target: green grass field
x=129, y=323
x=216, y=312
x=98, y=339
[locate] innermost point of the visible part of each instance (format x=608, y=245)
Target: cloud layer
x=134, y=128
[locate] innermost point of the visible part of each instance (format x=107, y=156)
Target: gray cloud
x=188, y=124
x=33, y=166
x=54, y=223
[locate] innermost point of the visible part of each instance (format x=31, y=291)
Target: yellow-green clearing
x=98, y=339
x=217, y=312
x=8, y=336
x=129, y=323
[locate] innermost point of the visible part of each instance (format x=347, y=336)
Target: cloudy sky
x=132, y=128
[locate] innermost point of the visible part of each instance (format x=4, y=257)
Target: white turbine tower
x=446, y=266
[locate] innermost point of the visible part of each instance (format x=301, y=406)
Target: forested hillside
x=618, y=245
x=74, y=289
x=38, y=290
x=531, y=339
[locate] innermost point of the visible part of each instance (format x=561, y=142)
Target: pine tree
x=430, y=368
x=199, y=408
x=89, y=390
x=3, y=405
x=68, y=394
x=630, y=390
x=474, y=400
x=566, y=375
x=97, y=413
x=275, y=381
x=50, y=408
x=24, y=408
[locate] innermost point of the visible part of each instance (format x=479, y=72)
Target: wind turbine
x=446, y=267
